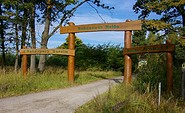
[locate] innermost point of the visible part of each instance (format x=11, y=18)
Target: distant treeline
x=100, y=57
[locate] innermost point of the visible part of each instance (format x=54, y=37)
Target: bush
x=151, y=74
x=101, y=57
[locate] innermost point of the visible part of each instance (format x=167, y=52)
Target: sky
x=87, y=15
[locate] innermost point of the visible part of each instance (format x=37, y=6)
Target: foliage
x=171, y=19
x=154, y=72
x=10, y=58
x=87, y=57
x=78, y=43
x=139, y=38
x=121, y=99
x=151, y=74
x=57, y=60
x=179, y=54
x=102, y=57
x=171, y=11
x=13, y=84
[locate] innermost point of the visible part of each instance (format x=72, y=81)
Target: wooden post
x=71, y=59
x=169, y=69
x=24, y=63
x=128, y=62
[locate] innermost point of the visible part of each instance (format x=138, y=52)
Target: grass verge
x=121, y=99
x=13, y=84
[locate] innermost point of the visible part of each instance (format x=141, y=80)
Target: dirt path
x=56, y=101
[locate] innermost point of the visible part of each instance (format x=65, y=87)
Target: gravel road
x=57, y=101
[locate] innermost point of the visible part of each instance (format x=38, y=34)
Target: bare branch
x=65, y=16
x=97, y=12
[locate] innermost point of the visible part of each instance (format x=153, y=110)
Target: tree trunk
x=17, y=49
x=181, y=11
x=16, y=66
x=3, y=62
x=44, y=41
x=33, y=41
x=24, y=25
x=46, y=35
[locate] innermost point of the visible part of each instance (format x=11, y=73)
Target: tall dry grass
x=123, y=99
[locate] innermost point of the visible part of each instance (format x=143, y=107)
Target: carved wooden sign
x=47, y=51
x=150, y=49
x=121, y=26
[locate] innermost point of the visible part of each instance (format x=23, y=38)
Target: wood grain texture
x=121, y=26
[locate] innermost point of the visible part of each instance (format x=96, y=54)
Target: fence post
x=71, y=59
x=128, y=62
x=169, y=69
x=24, y=64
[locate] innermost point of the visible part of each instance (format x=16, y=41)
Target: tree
x=172, y=21
x=20, y=15
x=171, y=12
x=5, y=30
x=78, y=43
x=15, y=16
x=2, y=40
x=33, y=38
x=60, y=60
x=139, y=38
x=16, y=66
x=54, y=10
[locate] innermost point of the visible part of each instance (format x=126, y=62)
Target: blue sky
x=87, y=15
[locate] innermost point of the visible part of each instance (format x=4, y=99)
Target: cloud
x=54, y=44
x=93, y=38
x=87, y=15
x=91, y=18
x=96, y=38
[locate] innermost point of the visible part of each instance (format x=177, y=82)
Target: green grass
x=13, y=84
x=121, y=99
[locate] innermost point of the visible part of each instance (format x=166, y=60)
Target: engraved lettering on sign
x=150, y=49
x=48, y=51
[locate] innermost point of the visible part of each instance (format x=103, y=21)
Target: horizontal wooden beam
x=47, y=51
x=150, y=49
x=122, y=26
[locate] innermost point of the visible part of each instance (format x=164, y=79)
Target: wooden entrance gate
x=128, y=27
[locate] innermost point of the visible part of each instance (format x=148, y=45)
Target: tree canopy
x=171, y=12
